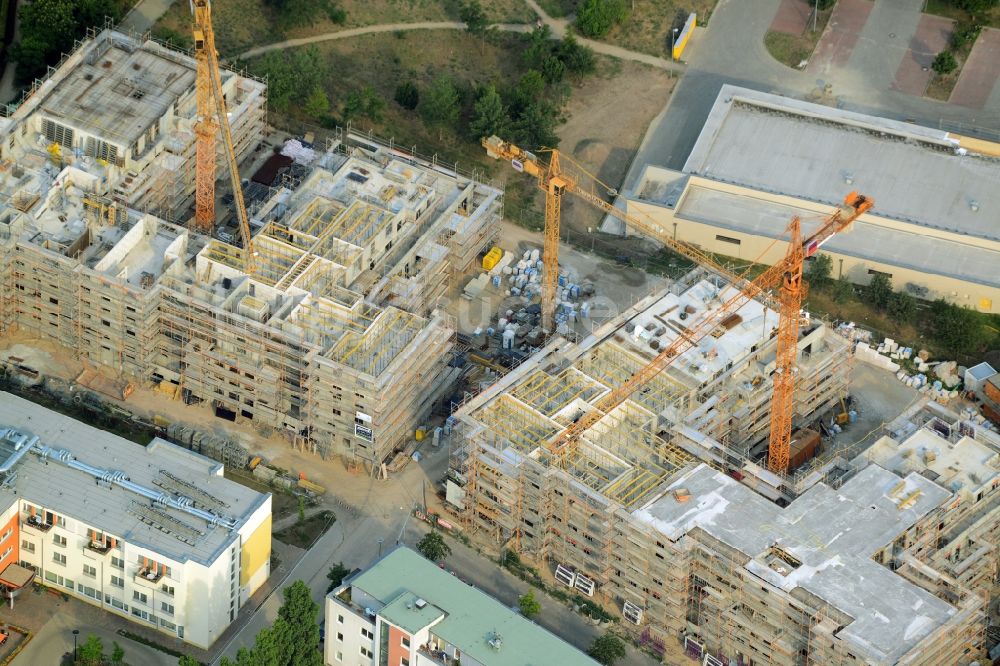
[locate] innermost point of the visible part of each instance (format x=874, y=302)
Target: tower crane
x=212, y=116
x=787, y=274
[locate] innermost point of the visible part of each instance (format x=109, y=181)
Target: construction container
x=419, y=434
x=803, y=447
x=492, y=258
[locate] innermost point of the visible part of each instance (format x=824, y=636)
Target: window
x=403, y=661
x=117, y=562
x=728, y=239
x=340, y=656
x=89, y=571
x=58, y=540
x=340, y=636
x=27, y=546
x=6, y=535
x=58, y=558
x=872, y=271
x=168, y=589
x=406, y=641
x=367, y=634
x=365, y=652
x=340, y=619
x=167, y=608
x=117, y=581
x=139, y=596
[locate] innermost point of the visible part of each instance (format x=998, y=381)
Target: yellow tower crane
x=212, y=116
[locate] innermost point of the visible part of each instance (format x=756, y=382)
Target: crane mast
x=212, y=116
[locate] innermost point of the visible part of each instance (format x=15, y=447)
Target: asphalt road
x=56, y=639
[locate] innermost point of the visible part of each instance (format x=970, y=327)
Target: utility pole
x=815, y=14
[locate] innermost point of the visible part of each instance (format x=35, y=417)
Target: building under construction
x=335, y=336
x=665, y=507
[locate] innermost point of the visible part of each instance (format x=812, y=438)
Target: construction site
x=322, y=319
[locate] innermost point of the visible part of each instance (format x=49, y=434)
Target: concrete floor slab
x=837, y=43
x=980, y=72
x=932, y=36
x=792, y=17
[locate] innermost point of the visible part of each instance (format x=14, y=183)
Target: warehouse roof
x=461, y=614
x=786, y=146
x=58, y=475
x=822, y=542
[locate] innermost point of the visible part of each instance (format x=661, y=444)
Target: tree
x=433, y=546
x=91, y=653
x=539, y=47
x=529, y=605
x=475, y=20
x=439, y=106
x=491, y=115
x=944, y=63
x=407, y=95
x=553, y=69
x=117, y=654
x=607, y=649
x=957, y=328
x=976, y=6
x=578, y=58
x=901, y=307
x=819, y=272
x=878, y=291
x=364, y=102
x=535, y=126
x=317, y=105
x=336, y=575
x=595, y=17
x=841, y=290
x=186, y=660
x=296, y=630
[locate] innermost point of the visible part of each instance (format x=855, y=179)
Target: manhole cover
x=892, y=35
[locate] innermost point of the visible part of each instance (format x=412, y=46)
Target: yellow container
x=419, y=435
x=492, y=258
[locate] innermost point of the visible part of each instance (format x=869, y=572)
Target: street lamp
x=380, y=548
x=673, y=41
x=76, y=632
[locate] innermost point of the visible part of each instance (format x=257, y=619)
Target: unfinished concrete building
x=641, y=511
x=336, y=337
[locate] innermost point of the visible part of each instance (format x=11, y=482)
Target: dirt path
x=558, y=29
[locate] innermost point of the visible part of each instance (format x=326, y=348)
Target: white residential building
x=154, y=534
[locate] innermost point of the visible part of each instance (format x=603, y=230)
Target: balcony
x=38, y=524
x=438, y=657
x=148, y=575
x=98, y=547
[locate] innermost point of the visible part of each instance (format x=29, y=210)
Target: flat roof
x=471, y=617
x=787, y=146
x=964, y=465
x=866, y=240
x=73, y=491
x=120, y=88
x=832, y=534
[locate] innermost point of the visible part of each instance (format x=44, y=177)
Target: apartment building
x=335, y=334
x=405, y=611
x=153, y=534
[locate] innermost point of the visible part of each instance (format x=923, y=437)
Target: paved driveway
x=56, y=639
x=842, y=32
x=980, y=72
x=932, y=36
x=792, y=17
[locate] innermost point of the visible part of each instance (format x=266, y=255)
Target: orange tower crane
x=212, y=116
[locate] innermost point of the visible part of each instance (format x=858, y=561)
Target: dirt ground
x=602, y=134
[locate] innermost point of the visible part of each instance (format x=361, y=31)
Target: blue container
x=496, y=280
x=562, y=280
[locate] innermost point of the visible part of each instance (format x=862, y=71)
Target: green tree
x=595, y=18
x=529, y=605
x=407, y=95
x=475, y=21
x=820, y=269
x=317, y=105
x=878, y=291
x=578, y=58
x=607, y=649
x=944, y=63
x=91, y=653
x=186, y=660
x=490, y=114
x=976, y=6
x=336, y=575
x=433, y=546
x=553, y=69
x=364, y=102
x=296, y=630
x=117, y=654
x=841, y=290
x=539, y=47
x=528, y=90
x=901, y=307
x=957, y=329
x=535, y=127
x=439, y=105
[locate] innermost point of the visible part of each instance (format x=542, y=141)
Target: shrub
x=944, y=63
x=596, y=17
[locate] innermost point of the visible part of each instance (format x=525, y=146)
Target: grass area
x=243, y=24
x=383, y=61
x=867, y=317
x=305, y=533
x=282, y=503
x=989, y=18
x=792, y=50
x=648, y=26
x=942, y=85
